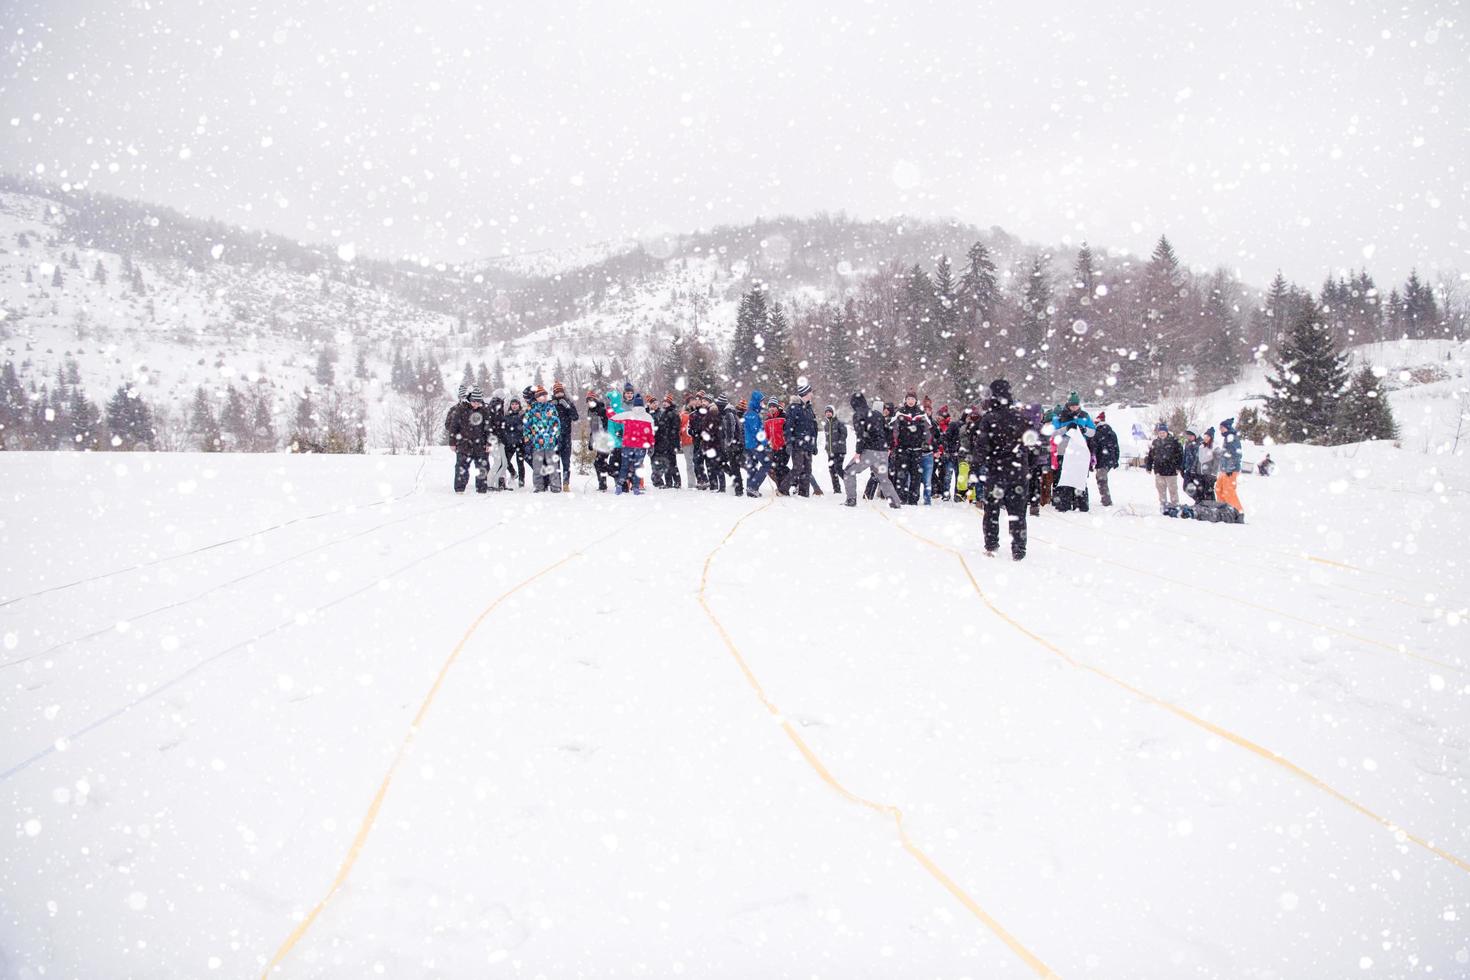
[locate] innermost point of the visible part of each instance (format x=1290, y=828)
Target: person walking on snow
x=757, y=445
x=871, y=441
x=468, y=428
x=1229, y=466
x=835, y=447
x=637, y=436
x=1164, y=459
x=567, y=413
x=1001, y=455
x=542, y=433
x=1105, y=447
x=801, y=440
x=732, y=445
x=599, y=441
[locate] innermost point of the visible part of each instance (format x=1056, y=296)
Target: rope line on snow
x=815, y=762
x=218, y=544
x=225, y=585
x=201, y=664
x=359, y=840
x=1238, y=740
x=1196, y=587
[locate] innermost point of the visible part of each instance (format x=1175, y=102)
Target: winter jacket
x=836, y=444
x=776, y=433
x=998, y=449
x=1229, y=447
x=869, y=430
x=1207, y=461
x=567, y=414
x=1105, y=445
x=755, y=430
x=543, y=427
x=495, y=411
x=801, y=428
x=615, y=429
x=512, y=432
x=685, y=439
x=469, y=429
x=704, y=430
x=912, y=428
x=1165, y=456
x=666, y=436
x=1070, y=416
x=732, y=431
x=597, y=439
x=637, y=426
x=954, y=431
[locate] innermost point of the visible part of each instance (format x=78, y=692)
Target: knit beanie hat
x=723, y=402
x=1073, y=399
x=830, y=410
x=1162, y=427
x=558, y=389
x=1102, y=416
x=464, y=391
x=741, y=405
x=637, y=401
x=803, y=390
x=476, y=395
x=538, y=392
x=528, y=392
x=669, y=398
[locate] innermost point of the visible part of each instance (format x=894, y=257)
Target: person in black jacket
x=1105, y=447
x=801, y=442
x=835, y=446
x=1001, y=452
x=911, y=428
x=732, y=445
x=568, y=413
x=598, y=439
x=468, y=427
x=666, y=445
x=704, y=431
x=517, y=455
x=872, y=441
x=1165, y=458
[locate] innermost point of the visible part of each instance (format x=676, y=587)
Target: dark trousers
x=704, y=467
x=731, y=473
x=1013, y=498
x=602, y=466
x=800, y=476
x=566, y=459
x=666, y=470
x=615, y=464
x=757, y=466
x=462, y=471
x=909, y=479
x=516, y=463
x=780, y=468
x=834, y=467
x=628, y=462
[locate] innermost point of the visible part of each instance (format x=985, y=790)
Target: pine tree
x=675, y=361
x=780, y=372
x=1217, y=355
x=1072, y=356
x=946, y=320
x=702, y=373
x=56, y=280
x=304, y=427
x=482, y=377
x=497, y=376
x=979, y=292
x=203, y=426
x=398, y=374
x=99, y=274
x=744, y=365
x=86, y=422
x=1280, y=311
x=1163, y=282
x=12, y=407
x=359, y=367
x=326, y=374
x=1034, y=324
x=262, y=425
x=921, y=329
x=130, y=420
x=29, y=278
x=1420, y=310
x=235, y=421
x=1310, y=377
x=843, y=354
x=1363, y=412
x=468, y=377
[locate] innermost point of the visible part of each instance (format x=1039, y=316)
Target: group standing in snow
x=1005, y=456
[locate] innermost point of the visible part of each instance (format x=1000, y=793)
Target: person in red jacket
x=686, y=442
x=776, y=442
x=637, y=440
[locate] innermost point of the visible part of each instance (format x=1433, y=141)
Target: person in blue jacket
x=615, y=432
x=757, y=449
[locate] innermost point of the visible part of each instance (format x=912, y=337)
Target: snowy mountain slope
x=195, y=732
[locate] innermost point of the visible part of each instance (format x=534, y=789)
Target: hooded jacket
x=912, y=428
x=666, y=434
x=1165, y=457
x=836, y=444
x=1229, y=447
x=637, y=426
x=566, y=414
x=615, y=429
x=1105, y=445
x=998, y=446
x=868, y=428
x=755, y=432
x=468, y=428
x=543, y=427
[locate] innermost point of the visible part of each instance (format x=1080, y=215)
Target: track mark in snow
x=820, y=768
x=1240, y=740
x=370, y=818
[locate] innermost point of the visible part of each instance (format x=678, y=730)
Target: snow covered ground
x=516, y=732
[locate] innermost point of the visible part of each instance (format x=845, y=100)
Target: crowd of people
x=1000, y=454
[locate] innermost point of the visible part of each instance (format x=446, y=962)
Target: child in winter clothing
x=495, y=411
x=757, y=446
x=637, y=427
x=776, y=440
x=567, y=412
x=543, y=435
x=1229, y=457
x=468, y=428
x=598, y=439
x=517, y=453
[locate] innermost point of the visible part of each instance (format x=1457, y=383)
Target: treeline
x=1116, y=328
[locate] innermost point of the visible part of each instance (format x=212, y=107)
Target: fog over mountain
x=1308, y=137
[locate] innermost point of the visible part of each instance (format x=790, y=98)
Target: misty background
x=1308, y=137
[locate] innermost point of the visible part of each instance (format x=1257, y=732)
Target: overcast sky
x=1307, y=136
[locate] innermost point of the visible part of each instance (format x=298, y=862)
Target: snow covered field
x=516, y=732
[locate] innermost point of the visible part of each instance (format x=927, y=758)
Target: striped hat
x=464, y=391
x=538, y=391
x=476, y=395
x=803, y=390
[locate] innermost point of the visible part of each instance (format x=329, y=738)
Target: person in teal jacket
x=615, y=432
x=757, y=449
